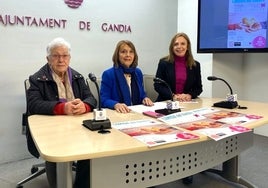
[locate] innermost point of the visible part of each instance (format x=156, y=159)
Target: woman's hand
x=147, y=101
x=182, y=97
x=122, y=108
x=74, y=107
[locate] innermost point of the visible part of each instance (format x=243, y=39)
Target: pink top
x=180, y=73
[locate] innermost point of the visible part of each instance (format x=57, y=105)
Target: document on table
x=214, y=123
x=153, y=133
x=157, y=105
x=142, y=108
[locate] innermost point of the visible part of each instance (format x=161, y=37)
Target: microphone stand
x=227, y=103
x=169, y=109
x=100, y=121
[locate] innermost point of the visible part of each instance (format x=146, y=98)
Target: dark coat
x=42, y=96
x=166, y=72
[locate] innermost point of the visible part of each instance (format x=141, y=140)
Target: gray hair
x=58, y=42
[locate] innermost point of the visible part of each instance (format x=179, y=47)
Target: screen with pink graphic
x=232, y=26
x=247, y=24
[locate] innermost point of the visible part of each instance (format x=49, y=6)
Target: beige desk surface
x=63, y=138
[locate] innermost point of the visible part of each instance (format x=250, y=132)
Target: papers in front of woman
x=214, y=123
x=142, y=108
x=157, y=105
x=153, y=132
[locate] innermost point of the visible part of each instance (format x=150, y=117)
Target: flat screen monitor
x=232, y=26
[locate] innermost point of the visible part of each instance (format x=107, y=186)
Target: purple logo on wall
x=73, y=3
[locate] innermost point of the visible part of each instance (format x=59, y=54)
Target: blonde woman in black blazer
x=180, y=71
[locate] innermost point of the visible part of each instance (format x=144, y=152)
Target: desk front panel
x=156, y=167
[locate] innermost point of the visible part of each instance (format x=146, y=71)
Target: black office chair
x=37, y=169
x=93, y=88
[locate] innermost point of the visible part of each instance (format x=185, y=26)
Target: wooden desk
x=118, y=160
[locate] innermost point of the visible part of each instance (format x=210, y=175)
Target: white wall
x=22, y=50
x=246, y=73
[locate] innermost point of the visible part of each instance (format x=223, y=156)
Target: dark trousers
x=82, y=174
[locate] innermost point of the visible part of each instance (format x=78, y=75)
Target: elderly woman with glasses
x=57, y=89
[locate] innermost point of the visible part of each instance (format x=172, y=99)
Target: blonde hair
x=190, y=62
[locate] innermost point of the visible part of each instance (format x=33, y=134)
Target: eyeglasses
x=56, y=56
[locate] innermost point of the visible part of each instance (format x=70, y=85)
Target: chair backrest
x=25, y=127
x=25, y=114
x=93, y=88
x=148, y=81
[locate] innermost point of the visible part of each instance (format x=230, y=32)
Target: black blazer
x=166, y=72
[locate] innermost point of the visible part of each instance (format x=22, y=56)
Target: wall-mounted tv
x=232, y=26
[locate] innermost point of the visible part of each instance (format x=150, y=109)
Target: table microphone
x=172, y=106
x=160, y=81
x=100, y=121
x=231, y=99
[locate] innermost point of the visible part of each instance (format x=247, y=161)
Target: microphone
x=100, y=121
x=172, y=106
x=213, y=78
x=160, y=81
x=93, y=78
x=231, y=99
